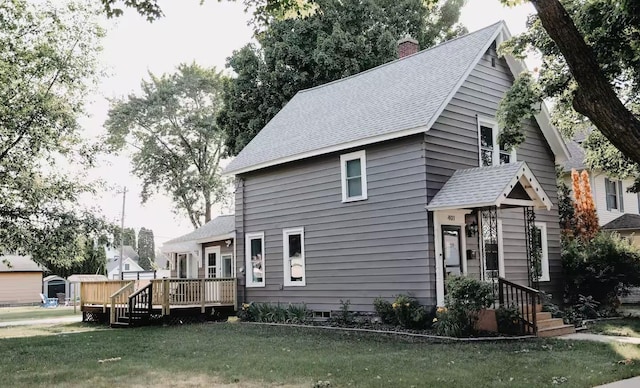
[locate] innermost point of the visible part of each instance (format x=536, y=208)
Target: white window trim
x=222, y=257
x=544, y=259
x=343, y=174
x=285, y=258
x=248, y=267
x=493, y=124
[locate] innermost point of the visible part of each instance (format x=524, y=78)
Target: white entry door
x=213, y=262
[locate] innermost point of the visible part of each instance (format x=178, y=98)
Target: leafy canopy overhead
x=177, y=146
x=48, y=62
x=591, y=71
x=336, y=40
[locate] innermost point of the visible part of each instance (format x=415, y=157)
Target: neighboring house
x=388, y=181
x=129, y=264
x=161, y=265
x=207, y=252
x=618, y=210
x=20, y=280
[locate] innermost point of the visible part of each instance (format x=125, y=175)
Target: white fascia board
x=327, y=150
x=215, y=238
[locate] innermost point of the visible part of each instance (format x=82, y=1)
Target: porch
x=140, y=302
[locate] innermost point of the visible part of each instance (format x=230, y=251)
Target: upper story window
x=353, y=168
x=254, y=259
x=491, y=152
x=293, y=257
x=613, y=190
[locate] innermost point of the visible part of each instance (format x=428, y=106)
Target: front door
x=451, y=250
x=213, y=262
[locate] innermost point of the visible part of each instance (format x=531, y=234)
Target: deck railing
x=119, y=303
x=524, y=299
x=99, y=293
x=194, y=292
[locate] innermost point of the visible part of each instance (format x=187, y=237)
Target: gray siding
x=356, y=251
x=452, y=143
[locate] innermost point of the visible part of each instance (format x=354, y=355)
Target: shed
x=53, y=285
x=20, y=280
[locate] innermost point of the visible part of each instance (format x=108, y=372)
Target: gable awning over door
x=511, y=184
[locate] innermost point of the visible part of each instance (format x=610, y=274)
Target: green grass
x=627, y=327
x=33, y=312
x=252, y=355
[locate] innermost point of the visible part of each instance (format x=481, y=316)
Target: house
x=207, y=252
x=618, y=210
x=129, y=264
x=20, y=280
x=388, y=181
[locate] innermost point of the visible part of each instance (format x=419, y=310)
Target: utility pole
x=124, y=196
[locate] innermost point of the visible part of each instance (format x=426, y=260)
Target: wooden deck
x=129, y=302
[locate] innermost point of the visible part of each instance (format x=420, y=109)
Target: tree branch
x=594, y=97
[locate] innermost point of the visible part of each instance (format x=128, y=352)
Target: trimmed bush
x=274, y=313
x=465, y=298
x=405, y=311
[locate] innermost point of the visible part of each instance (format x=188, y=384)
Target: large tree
x=146, y=249
x=177, y=145
x=47, y=65
x=591, y=71
x=338, y=39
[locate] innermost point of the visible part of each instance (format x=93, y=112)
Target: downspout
x=244, y=281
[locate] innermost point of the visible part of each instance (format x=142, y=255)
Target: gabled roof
x=127, y=251
x=220, y=226
x=399, y=98
x=115, y=264
x=576, y=161
x=18, y=263
x=489, y=186
x=624, y=222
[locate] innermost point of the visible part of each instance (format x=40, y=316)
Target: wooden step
x=119, y=325
x=556, y=331
x=552, y=322
x=543, y=316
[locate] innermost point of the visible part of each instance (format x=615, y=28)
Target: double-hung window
x=255, y=259
x=293, y=257
x=542, y=248
x=492, y=153
x=613, y=190
x=353, y=168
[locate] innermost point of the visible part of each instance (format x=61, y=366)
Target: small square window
x=354, y=176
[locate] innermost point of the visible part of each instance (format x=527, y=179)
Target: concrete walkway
x=47, y=321
x=633, y=382
x=601, y=338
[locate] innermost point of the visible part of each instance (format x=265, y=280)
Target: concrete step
x=552, y=322
x=556, y=331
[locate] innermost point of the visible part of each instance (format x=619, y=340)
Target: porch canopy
x=507, y=185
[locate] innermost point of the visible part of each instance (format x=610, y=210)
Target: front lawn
x=251, y=355
x=627, y=327
x=34, y=312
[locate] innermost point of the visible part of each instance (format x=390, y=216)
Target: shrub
x=509, y=320
x=344, y=316
x=274, y=313
x=604, y=268
x=465, y=298
x=385, y=311
x=405, y=311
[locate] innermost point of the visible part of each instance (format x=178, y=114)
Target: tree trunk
x=595, y=97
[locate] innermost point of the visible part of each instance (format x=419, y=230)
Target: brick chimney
x=407, y=46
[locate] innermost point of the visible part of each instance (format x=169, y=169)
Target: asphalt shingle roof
x=475, y=186
x=576, y=161
x=404, y=94
x=626, y=221
x=17, y=263
x=218, y=226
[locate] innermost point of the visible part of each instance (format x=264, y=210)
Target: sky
x=206, y=34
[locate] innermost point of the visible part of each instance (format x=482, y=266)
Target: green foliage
x=509, y=320
x=48, y=65
x=338, y=39
x=405, y=311
x=146, y=249
x=566, y=210
x=611, y=29
x=274, y=313
x=521, y=102
x=584, y=308
x=345, y=316
x=603, y=268
x=177, y=146
x=465, y=298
